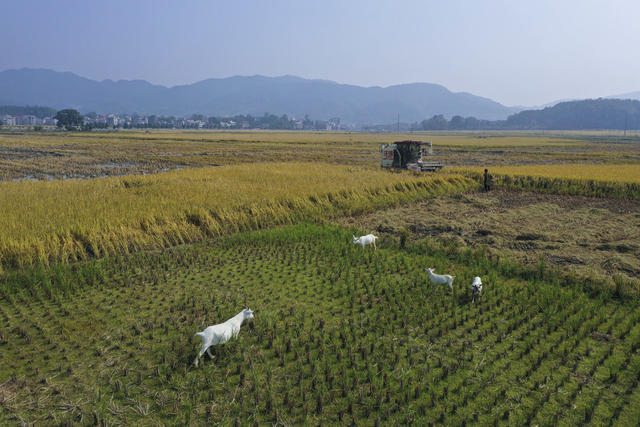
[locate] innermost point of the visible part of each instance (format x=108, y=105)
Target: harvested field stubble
x=56, y=155
x=592, y=237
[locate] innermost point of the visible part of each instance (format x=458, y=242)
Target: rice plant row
x=340, y=335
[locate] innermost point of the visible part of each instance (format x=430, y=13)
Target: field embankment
x=340, y=336
x=72, y=220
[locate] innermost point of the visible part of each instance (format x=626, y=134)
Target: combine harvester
x=409, y=155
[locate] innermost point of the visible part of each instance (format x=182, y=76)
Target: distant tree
x=213, y=122
x=456, y=123
x=37, y=128
x=320, y=124
x=471, y=123
x=69, y=119
x=35, y=110
x=92, y=115
x=307, y=123
x=437, y=122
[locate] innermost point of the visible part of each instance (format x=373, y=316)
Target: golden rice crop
x=75, y=219
x=607, y=173
x=605, y=180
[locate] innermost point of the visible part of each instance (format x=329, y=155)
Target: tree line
x=72, y=119
x=29, y=110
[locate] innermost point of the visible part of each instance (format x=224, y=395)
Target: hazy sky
x=517, y=52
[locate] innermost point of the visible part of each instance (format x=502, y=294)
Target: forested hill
x=571, y=115
x=587, y=114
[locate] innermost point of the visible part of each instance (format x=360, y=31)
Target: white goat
x=222, y=332
x=440, y=279
x=363, y=241
x=476, y=288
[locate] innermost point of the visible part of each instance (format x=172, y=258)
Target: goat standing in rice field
x=440, y=279
x=363, y=241
x=476, y=289
x=222, y=332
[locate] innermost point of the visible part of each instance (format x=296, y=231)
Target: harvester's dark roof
x=408, y=141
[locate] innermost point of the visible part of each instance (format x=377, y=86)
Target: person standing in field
x=488, y=180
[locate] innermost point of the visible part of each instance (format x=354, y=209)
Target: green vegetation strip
x=341, y=335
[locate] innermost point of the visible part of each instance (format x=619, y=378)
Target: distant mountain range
x=255, y=95
x=630, y=95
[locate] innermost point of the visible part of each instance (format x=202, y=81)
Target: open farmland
x=341, y=335
x=103, y=282
x=52, y=155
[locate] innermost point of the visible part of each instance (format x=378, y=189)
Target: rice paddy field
x=59, y=155
x=115, y=248
x=619, y=173
x=340, y=336
x=70, y=220
x=600, y=180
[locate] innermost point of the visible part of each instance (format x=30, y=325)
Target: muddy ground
x=588, y=235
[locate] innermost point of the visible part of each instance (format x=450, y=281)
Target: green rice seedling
x=360, y=344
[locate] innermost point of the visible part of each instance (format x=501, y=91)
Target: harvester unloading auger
x=409, y=155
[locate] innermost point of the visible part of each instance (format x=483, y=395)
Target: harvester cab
x=410, y=155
